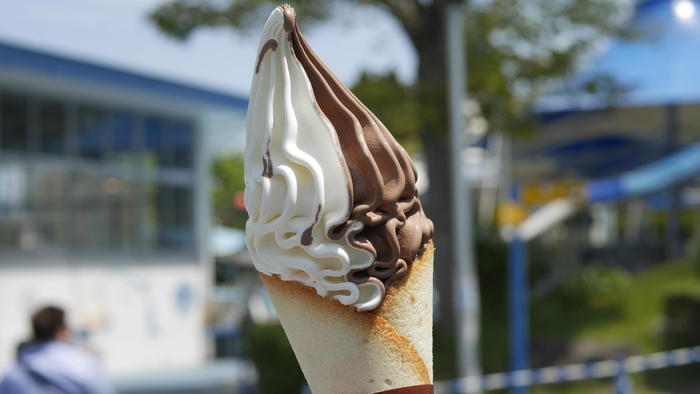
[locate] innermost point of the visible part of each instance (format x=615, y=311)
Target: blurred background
x=569, y=210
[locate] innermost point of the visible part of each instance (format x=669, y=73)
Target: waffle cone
x=343, y=351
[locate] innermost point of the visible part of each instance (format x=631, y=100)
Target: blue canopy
x=648, y=179
x=582, y=137
x=45, y=63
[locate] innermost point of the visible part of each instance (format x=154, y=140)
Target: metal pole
x=466, y=295
x=622, y=382
x=673, y=243
x=517, y=301
x=491, y=185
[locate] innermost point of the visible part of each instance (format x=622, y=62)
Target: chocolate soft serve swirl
x=382, y=176
x=309, y=130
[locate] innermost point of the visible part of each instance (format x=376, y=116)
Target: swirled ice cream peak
x=330, y=194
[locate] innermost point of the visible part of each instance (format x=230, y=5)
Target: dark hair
x=47, y=322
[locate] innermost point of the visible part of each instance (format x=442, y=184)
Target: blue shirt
x=55, y=367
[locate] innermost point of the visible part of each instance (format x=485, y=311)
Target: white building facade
x=105, y=206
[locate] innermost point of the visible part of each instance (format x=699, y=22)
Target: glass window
x=171, y=142
x=92, y=132
x=179, y=143
x=119, y=200
x=184, y=209
x=50, y=204
x=122, y=133
x=175, y=208
x=13, y=204
x=14, y=123
x=154, y=136
x=87, y=220
x=72, y=197
x=53, y=137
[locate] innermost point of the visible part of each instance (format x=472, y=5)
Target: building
x=104, y=205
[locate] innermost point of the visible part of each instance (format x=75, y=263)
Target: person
x=49, y=363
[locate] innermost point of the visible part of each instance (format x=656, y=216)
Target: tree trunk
x=435, y=147
x=430, y=45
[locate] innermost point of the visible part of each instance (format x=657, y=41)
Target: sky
x=659, y=67
x=117, y=33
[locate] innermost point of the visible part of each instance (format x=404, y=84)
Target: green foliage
x=692, y=251
x=682, y=319
x=604, y=280
x=491, y=257
x=444, y=353
x=278, y=371
x=180, y=18
x=228, y=181
x=394, y=104
x=577, y=303
x=628, y=309
x=517, y=49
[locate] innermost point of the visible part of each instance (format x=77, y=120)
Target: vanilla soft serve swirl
x=330, y=194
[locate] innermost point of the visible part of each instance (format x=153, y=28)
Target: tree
x=516, y=49
x=228, y=189
x=395, y=104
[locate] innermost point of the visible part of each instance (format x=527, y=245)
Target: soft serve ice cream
x=335, y=225
x=331, y=195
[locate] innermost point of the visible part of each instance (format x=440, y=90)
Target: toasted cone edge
x=378, y=325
